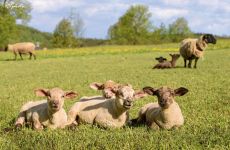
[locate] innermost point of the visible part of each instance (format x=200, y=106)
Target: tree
x=63, y=35
x=133, y=27
x=19, y=9
x=77, y=23
x=179, y=29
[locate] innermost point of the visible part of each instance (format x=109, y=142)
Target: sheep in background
x=168, y=64
x=45, y=113
x=161, y=59
x=194, y=48
x=21, y=48
x=165, y=114
x=107, y=112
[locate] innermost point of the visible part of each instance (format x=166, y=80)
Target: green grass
x=206, y=108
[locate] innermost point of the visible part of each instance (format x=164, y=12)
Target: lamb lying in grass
x=45, y=113
x=168, y=64
x=106, y=88
x=22, y=48
x=107, y=112
x=165, y=114
x=161, y=59
x=194, y=48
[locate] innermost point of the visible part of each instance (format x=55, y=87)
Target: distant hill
x=29, y=34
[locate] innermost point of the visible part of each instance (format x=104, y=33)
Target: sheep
x=21, y=48
x=106, y=88
x=168, y=64
x=166, y=114
x=161, y=59
x=45, y=113
x=194, y=48
x=106, y=113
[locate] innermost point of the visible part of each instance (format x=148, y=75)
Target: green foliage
x=205, y=107
x=63, y=35
x=7, y=27
x=133, y=27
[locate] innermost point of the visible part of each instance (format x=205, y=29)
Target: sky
x=203, y=16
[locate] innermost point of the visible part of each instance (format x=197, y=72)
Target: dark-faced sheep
x=21, y=48
x=168, y=64
x=45, y=113
x=194, y=48
x=161, y=59
x=165, y=114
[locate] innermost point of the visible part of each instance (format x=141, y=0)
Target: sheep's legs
x=15, y=56
x=185, y=63
x=20, y=120
x=33, y=55
x=21, y=56
x=195, y=62
x=36, y=123
x=190, y=63
x=30, y=55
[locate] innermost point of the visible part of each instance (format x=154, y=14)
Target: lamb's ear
x=42, y=92
x=164, y=59
x=70, y=94
x=149, y=90
x=139, y=94
x=97, y=86
x=171, y=54
x=180, y=91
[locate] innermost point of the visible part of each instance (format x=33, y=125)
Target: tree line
x=134, y=27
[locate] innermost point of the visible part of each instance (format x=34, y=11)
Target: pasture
x=206, y=107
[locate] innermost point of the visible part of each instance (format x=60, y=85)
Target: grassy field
x=206, y=108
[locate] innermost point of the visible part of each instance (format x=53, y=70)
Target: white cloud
x=167, y=13
x=175, y=2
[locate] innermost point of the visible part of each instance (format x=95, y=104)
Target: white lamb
x=104, y=112
x=45, y=113
x=165, y=114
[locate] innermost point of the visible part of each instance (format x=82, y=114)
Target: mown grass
x=206, y=107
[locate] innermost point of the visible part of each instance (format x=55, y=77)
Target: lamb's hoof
x=72, y=126
x=18, y=127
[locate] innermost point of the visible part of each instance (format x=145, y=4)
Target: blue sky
x=205, y=16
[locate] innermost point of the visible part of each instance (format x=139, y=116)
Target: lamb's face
x=125, y=97
x=165, y=94
x=175, y=56
x=160, y=59
x=55, y=97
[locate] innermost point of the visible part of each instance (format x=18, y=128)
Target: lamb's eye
x=63, y=96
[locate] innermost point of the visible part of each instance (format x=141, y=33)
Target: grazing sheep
x=160, y=59
x=21, y=48
x=107, y=112
x=168, y=64
x=106, y=88
x=194, y=48
x=165, y=114
x=45, y=113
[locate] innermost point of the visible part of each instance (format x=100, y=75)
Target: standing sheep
x=21, y=48
x=194, y=48
x=165, y=114
x=168, y=64
x=107, y=112
x=45, y=113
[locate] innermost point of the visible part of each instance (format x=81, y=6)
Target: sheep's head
x=106, y=88
x=55, y=97
x=125, y=96
x=160, y=59
x=175, y=56
x=165, y=94
x=209, y=38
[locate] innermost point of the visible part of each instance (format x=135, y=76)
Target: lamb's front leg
x=71, y=117
x=36, y=123
x=163, y=125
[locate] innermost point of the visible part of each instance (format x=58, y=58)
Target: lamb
x=161, y=59
x=107, y=113
x=194, y=48
x=22, y=48
x=165, y=114
x=45, y=113
x=106, y=88
x=168, y=64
